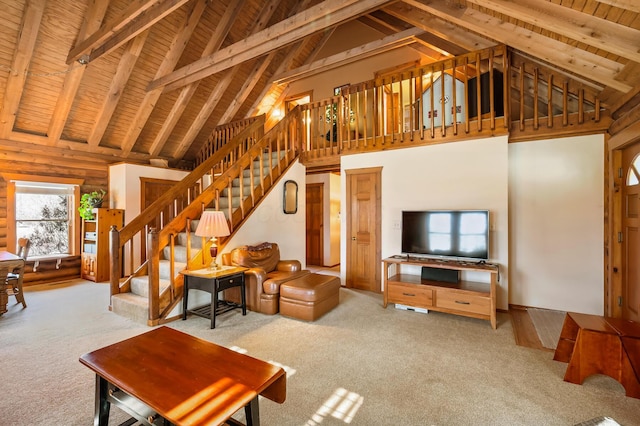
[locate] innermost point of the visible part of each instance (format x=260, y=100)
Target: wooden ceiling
x=129, y=80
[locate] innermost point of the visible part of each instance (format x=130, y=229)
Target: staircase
x=234, y=179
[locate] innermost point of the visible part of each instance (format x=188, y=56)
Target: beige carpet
x=360, y=364
x=548, y=324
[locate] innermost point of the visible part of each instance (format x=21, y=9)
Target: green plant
x=89, y=201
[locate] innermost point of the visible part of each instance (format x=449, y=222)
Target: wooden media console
x=468, y=298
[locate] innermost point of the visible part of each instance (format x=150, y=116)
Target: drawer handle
x=408, y=294
x=460, y=302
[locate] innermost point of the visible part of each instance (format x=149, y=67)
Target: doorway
x=315, y=224
x=631, y=236
x=364, y=197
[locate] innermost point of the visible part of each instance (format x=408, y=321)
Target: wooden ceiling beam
x=453, y=34
x=75, y=72
x=187, y=92
x=137, y=17
x=325, y=14
x=351, y=55
x=631, y=5
x=254, y=76
x=168, y=64
x=23, y=53
x=427, y=52
x=116, y=88
x=223, y=84
x=269, y=88
x=591, y=30
x=111, y=155
x=552, y=51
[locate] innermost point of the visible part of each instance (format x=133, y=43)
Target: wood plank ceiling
x=129, y=80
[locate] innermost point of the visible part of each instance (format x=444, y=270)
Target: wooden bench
x=593, y=344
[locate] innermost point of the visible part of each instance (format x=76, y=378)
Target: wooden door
x=315, y=224
x=631, y=233
x=363, y=229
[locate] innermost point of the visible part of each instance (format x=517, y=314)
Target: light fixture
x=212, y=224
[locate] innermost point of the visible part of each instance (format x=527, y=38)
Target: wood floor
x=523, y=329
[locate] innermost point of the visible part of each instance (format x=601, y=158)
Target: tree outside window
x=46, y=220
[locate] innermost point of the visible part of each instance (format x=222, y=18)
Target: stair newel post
x=115, y=261
x=153, y=258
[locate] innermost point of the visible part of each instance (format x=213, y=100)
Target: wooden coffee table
x=165, y=376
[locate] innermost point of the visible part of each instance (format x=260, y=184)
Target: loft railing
x=490, y=92
x=431, y=103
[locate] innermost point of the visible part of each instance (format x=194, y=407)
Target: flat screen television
x=458, y=234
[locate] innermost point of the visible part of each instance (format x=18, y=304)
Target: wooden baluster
x=454, y=103
x=506, y=94
x=479, y=92
x=443, y=115
x=581, y=106
x=492, y=100
x=565, y=103
x=536, y=82
x=465, y=67
x=522, y=96
x=550, y=101
x=432, y=113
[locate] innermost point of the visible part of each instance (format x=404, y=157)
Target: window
x=633, y=177
x=43, y=215
x=45, y=211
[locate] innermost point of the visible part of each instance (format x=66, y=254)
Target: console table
x=166, y=377
x=467, y=298
x=213, y=281
x=593, y=344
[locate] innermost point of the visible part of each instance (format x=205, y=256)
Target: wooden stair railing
x=247, y=152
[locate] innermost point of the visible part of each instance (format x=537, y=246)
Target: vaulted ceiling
x=129, y=80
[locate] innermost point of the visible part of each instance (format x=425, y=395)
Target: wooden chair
x=14, y=281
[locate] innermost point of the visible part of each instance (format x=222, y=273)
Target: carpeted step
x=131, y=306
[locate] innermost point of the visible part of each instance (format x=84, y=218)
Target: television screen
x=447, y=233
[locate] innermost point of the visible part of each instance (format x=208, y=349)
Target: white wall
x=124, y=193
x=268, y=223
x=557, y=224
x=124, y=185
x=463, y=175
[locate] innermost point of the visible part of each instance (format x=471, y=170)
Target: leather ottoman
x=309, y=297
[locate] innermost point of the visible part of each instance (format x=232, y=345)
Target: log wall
x=48, y=161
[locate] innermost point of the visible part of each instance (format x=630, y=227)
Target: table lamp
x=212, y=224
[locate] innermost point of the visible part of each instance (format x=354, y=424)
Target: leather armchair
x=266, y=272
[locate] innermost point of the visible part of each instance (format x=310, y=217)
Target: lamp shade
x=212, y=224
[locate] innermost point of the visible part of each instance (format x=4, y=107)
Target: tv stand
x=467, y=298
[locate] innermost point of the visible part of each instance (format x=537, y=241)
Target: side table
x=594, y=344
x=213, y=281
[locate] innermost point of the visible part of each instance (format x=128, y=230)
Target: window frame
x=12, y=178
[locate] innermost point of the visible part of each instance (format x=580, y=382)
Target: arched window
x=633, y=177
